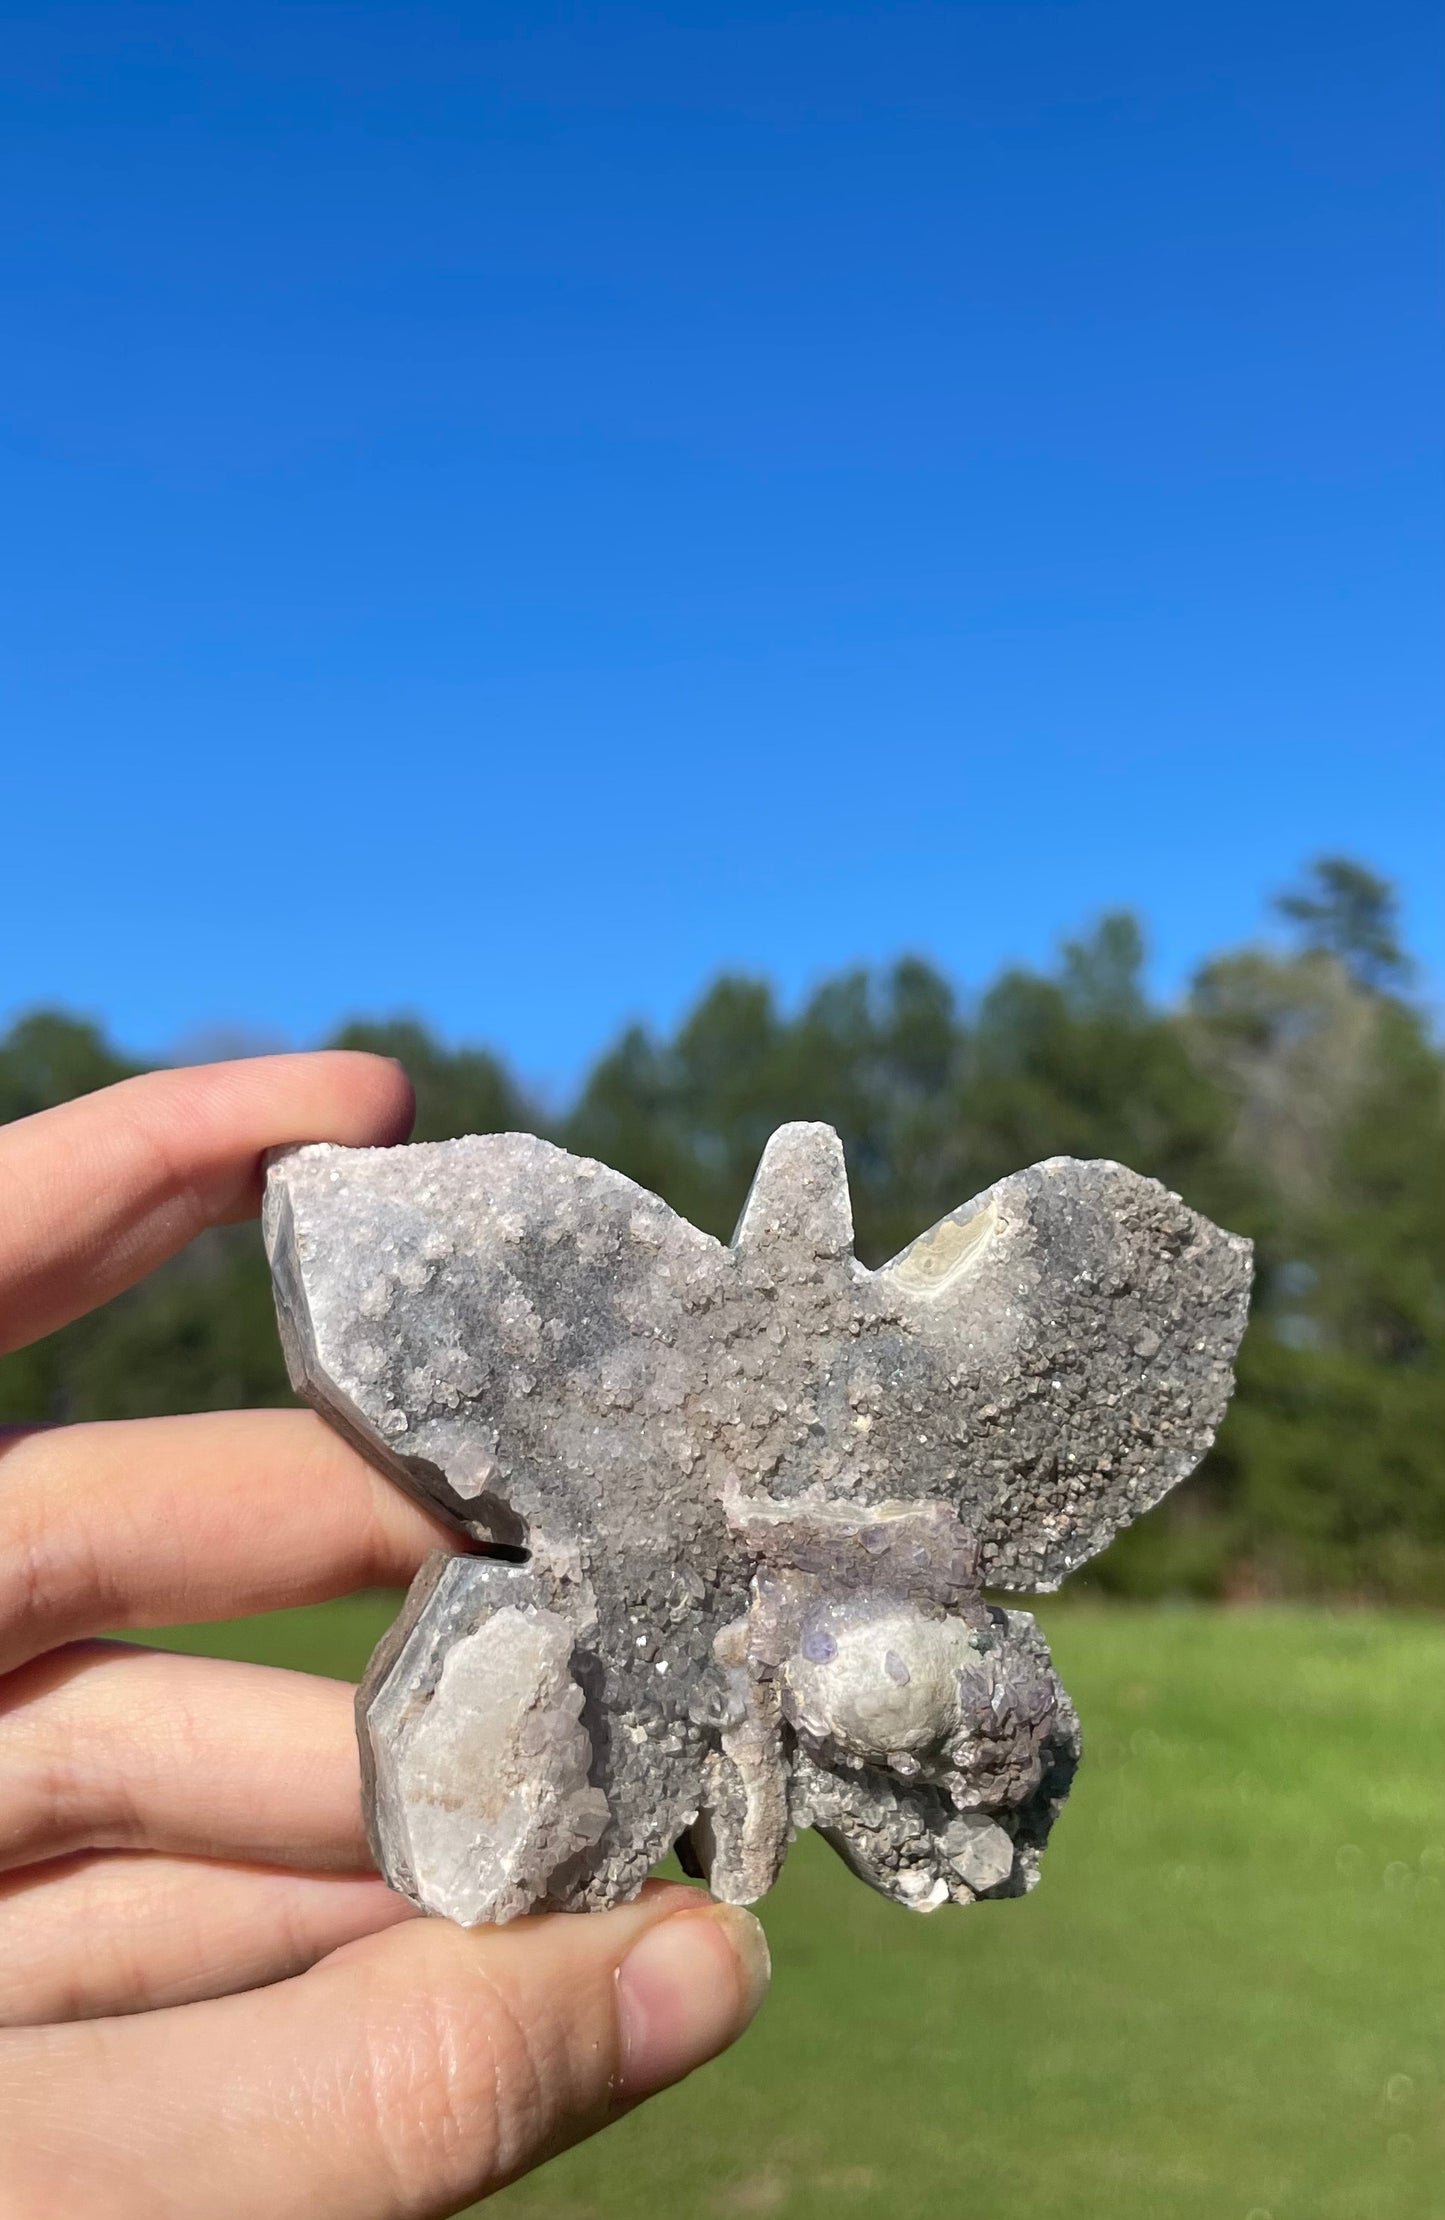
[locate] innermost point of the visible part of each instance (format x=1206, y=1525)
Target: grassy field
x=1225, y=2002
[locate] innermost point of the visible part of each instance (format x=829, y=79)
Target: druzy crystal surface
x=728, y=1513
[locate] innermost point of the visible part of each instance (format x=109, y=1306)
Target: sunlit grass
x=1226, y=2000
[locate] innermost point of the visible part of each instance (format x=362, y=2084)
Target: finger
x=103, y=1747
x=149, y=1521
x=95, y=1193
x=398, y=2080
x=91, y=1935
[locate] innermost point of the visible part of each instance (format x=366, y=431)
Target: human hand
x=211, y=2006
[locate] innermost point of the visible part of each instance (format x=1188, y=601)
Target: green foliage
x=1083, y=1065
x=1297, y=1095
x=1350, y=914
x=879, y=1060
x=49, y=1058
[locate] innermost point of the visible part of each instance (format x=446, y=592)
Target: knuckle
x=162, y=1116
x=59, y=1960
x=43, y=1558
x=47, y=1769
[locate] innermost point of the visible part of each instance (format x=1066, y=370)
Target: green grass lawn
x=1226, y=2000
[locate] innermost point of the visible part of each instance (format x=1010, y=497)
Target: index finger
x=95, y=1193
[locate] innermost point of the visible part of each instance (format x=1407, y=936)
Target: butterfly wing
x=1072, y=1333
x=505, y=1327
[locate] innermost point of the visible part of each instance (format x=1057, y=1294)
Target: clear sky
x=511, y=508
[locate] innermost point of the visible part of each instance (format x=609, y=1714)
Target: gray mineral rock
x=732, y=1510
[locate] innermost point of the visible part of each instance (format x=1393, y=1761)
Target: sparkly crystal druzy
x=732, y=1510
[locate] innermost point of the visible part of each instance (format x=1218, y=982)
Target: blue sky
x=511, y=509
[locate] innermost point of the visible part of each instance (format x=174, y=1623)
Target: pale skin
x=208, y=2001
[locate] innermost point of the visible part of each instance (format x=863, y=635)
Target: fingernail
x=685, y=1991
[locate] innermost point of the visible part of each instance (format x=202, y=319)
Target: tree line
x=1296, y=1094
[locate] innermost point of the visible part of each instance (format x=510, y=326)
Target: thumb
x=401, y=2078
